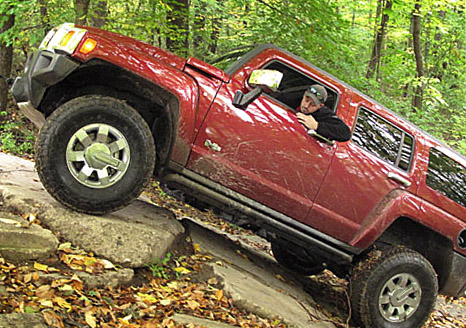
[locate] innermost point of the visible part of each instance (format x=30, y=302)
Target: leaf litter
x=67, y=302
x=449, y=312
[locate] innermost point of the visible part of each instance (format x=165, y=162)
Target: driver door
x=262, y=152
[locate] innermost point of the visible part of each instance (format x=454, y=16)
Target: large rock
x=250, y=280
x=189, y=319
x=251, y=294
x=22, y=320
x=22, y=241
x=132, y=237
x=108, y=278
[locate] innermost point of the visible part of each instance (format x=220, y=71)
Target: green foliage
x=160, y=267
x=336, y=36
x=14, y=138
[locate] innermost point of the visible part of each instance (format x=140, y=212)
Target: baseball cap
x=317, y=93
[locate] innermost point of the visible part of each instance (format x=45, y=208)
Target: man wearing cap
x=314, y=115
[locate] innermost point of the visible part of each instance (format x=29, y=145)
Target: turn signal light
x=88, y=46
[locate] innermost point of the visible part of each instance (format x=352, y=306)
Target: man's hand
x=308, y=121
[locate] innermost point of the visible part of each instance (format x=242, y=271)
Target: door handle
x=398, y=178
x=313, y=133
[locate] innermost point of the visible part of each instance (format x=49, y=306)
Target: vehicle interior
x=293, y=85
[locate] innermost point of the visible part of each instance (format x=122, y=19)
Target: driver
x=314, y=115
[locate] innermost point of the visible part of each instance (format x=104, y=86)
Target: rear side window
x=447, y=176
x=383, y=139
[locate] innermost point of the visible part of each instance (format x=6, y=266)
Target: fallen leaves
x=219, y=295
x=77, y=259
x=181, y=270
x=90, y=319
x=41, y=267
x=449, y=313
x=149, y=305
x=52, y=319
x=182, y=210
x=64, y=299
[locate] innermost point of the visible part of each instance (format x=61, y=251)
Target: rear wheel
x=288, y=255
x=393, y=288
x=95, y=154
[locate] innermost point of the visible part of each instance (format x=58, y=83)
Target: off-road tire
x=372, y=274
x=303, y=265
x=63, y=124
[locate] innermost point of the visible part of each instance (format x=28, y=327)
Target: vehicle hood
x=131, y=43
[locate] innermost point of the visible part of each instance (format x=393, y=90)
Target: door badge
x=212, y=145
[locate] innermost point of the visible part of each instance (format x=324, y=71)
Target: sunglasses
x=316, y=93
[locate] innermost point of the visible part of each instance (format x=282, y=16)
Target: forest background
x=407, y=54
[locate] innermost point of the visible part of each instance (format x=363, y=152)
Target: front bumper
x=43, y=69
x=456, y=282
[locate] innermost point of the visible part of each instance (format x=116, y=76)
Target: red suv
x=387, y=208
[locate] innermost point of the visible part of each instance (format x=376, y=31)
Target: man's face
x=308, y=105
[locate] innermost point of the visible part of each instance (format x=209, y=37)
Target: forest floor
x=169, y=286
x=329, y=291
x=166, y=287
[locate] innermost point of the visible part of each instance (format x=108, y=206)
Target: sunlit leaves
x=149, y=304
x=334, y=35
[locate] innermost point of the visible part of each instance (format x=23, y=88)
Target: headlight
x=65, y=37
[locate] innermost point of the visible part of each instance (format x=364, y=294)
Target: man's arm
x=331, y=127
x=334, y=128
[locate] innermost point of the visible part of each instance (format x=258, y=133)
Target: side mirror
x=261, y=80
x=266, y=77
x=242, y=100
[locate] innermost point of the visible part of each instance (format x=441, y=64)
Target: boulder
x=189, y=319
x=22, y=241
x=132, y=237
x=22, y=320
x=250, y=279
x=108, y=278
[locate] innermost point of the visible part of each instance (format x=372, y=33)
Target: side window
x=447, y=176
x=293, y=85
x=383, y=139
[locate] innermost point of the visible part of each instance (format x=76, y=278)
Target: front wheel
x=393, y=288
x=95, y=154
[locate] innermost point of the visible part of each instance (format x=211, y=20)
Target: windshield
x=225, y=61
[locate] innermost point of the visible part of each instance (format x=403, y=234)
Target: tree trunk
x=100, y=14
x=379, y=76
x=156, y=39
x=81, y=8
x=376, y=49
x=353, y=18
x=199, y=29
x=6, y=60
x=417, y=99
x=427, y=34
x=438, y=69
x=409, y=46
x=214, y=34
x=378, y=12
x=44, y=16
x=370, y=13
x=177, y=17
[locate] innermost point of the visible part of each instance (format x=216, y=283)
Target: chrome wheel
x=400, y=297
x=97, y=155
